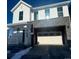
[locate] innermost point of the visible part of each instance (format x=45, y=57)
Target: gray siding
x=51, y=22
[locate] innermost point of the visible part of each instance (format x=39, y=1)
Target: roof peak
x=20, y=0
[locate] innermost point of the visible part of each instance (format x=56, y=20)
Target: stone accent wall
x=18, y=37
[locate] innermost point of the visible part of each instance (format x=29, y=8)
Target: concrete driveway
x=47, y=52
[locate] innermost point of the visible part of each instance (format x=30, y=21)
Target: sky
x=34, y=3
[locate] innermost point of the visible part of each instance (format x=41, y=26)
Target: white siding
x=65, y=11
x=53, y=12
x=32, y=16
x=26, y=14
x=41, y=14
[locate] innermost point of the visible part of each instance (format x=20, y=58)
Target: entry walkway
x=21, y=53
x=47, y=52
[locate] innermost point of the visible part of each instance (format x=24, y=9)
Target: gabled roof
x=20, y=2
x=36, y=4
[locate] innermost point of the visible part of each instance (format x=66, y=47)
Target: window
x=20, y=31
x=25, y=26
x=21, y=15
x=47, y=12
x=59, y=8
x=60, y=11
x=36, y=15
x=14, y=32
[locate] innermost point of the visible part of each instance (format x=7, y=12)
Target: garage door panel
x=50, y=40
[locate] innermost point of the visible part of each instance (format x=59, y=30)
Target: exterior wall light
x=21, y=31
x=15, y=32
x=25, y=26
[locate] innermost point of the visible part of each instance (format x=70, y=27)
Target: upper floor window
x=21, y=15
x=35, y=15
x=60, y=11
x=47, y=13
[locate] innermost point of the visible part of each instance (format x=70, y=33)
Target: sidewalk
x=21, y=53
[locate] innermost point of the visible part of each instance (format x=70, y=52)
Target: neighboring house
x=30, y=23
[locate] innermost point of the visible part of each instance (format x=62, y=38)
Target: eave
x=17, y=5
x=52, y=5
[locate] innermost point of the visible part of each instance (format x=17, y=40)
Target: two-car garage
x=50, y=40
x=49, y=36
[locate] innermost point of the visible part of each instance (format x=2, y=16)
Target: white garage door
x=50, y=40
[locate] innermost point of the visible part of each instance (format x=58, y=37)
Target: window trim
x=60, y=11
x=20, y=15
x=35, y=15
x=47, y=12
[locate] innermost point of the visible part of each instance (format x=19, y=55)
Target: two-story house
x=47, y=24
